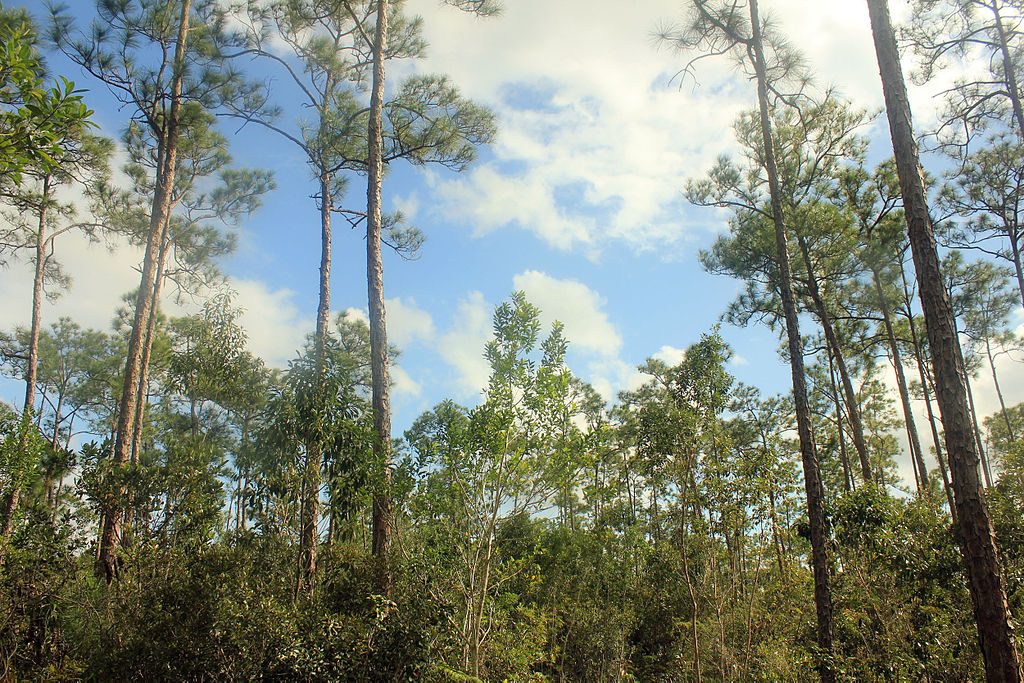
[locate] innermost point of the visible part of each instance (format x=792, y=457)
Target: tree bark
x=812, y=476
x=981, y=553
x=1018, y=270
x=922, y=371
x=383, y=514
x=166, y=161
x=310, y=513
x=147, y=349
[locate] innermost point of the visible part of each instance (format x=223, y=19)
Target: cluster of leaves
x=35, y=116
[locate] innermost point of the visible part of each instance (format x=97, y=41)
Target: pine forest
x=483, y=340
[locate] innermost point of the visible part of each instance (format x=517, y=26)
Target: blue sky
x=578, y=202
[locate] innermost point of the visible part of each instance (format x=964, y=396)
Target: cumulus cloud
x=576, y=306
x=462, y=346
x=403, y=384
x=595, y=344
x=407, y=322
x=409, y=205
x=99, y=274
x=356, y=315
x=1010, y=371
x=611, y=375
x=487, y=200
x=595, y=136
x=669, y=355
x=103, y=272
x=275, y=326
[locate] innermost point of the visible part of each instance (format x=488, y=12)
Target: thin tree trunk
x=383, y=514
x=55, y=435
x=843, y=456
x=852, y=408
x=901, y=382
x=812, y=475
x=32, y=365
x=925, y=388
x=50, y=474
x=243, y=521
x=310, y=510
x=147, y=349
x=985, y=471
x=1013, y=90
x=167, y=159
x=300, y=557
x=981, y=553
x=1017, y=268
x=243, y=484
x=999, y=390
x=776, y=536
x=694, y=606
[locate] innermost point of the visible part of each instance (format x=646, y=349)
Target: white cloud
x=576, y=306
x=276, y=327
x=670, y=355
x=488, y=200
x=595, y=138
x=102, y=274
x=462, y=346
x=99, y=278
x=593, y=141
x=579, y=308
x=409, y=205
x=403, y=383
x=610, y=376
x=407, y=322
x=356, y=315
x=1010, y=371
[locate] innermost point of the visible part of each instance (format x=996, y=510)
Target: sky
x=578, y=202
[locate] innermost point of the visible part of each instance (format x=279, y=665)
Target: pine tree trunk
x=1009, y=73
x=310, y=513
x=166, y=162
x=981, y=553
x=684, y=506
x=812, y=476
x=147, y=349
x=999, y=390
x=985, y=471
x=922, y=371
x=32, y=364
x=901, y=382
x=1017, y=268
x=383, y=514
x=852, y=408
x=844, y=459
